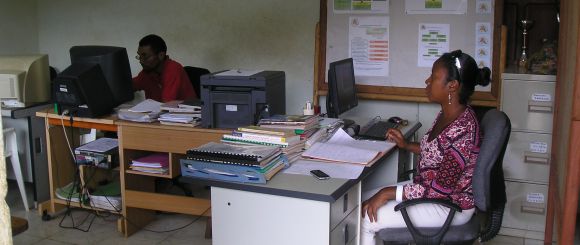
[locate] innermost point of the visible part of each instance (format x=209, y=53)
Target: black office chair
x=194, y=73
x=488, y=191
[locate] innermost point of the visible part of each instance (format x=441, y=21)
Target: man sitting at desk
x=162, y=78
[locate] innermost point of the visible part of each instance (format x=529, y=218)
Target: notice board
x=394, y=43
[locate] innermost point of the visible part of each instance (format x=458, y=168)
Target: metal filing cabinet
x=528, y=100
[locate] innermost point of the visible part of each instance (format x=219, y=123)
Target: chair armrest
x=443, y=202
x=419, y=237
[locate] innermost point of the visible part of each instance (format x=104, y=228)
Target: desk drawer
x=344, y=205
x=165, y=139
x=527, y=157
x=345, y=231
x=529, y=104
x=526, y=206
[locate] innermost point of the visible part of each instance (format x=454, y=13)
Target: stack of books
x=156, y=163
x=233, y=162
x=299, y=123
x=291, y=143
x=181, y=113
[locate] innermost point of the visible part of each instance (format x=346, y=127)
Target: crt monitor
x=341, y=88
x=114, y=63
x=24, y=80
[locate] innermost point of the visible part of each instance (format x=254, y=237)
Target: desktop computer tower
x=83, y=91
x=231, y=101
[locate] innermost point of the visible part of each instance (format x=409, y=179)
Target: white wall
x=18, y=27
x=218, y=35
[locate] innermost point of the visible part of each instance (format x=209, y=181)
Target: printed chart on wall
x=433, y=42
x=360, y=6
x=369, y=45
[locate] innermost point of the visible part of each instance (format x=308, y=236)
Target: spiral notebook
x=252, y=154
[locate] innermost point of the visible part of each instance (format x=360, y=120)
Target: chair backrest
x=194, y=73
x=488, y=174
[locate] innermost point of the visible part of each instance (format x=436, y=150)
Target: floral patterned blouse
x=447, y=162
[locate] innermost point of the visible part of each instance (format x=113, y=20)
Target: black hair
x=463, y=68
x=155, y=42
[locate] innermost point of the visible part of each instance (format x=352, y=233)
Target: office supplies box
x=231, y=100
x=232, y=172
x=101, y=153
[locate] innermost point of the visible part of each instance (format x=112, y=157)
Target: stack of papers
x=146, y=111
x=157, y=163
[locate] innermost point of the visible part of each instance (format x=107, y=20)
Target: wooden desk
x=137, y=188
x=61, y=170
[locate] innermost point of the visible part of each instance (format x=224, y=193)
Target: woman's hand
x=371, y=205
x=395, y=135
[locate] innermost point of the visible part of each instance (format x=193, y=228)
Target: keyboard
x=376, y=129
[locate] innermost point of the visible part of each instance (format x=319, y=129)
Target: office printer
x=233, y=98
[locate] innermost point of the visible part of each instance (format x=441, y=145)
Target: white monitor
x=24, y=80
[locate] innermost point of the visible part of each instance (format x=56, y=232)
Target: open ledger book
x=343, y=148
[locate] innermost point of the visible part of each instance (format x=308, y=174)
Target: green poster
x=342, y=4
x=361, y=5
x=433, y=4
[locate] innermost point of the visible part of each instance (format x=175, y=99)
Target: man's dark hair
x=155, y=42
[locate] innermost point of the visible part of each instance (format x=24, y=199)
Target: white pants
x=422, y=215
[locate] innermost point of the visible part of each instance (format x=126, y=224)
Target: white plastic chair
x=11, y=151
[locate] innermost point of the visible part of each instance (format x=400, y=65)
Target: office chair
x=194, y=74
x=11, y=151
x=488, y=191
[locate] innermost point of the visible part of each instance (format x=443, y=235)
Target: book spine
x=197, y=152
x=249, y=142
x=260, y=131
x=223, y=160
x=253, y=140
x=265, y=138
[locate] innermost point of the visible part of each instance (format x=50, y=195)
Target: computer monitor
x=341, y=88
x=24, y=80
x=114, y=63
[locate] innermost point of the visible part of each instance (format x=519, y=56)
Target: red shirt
x=171, y=84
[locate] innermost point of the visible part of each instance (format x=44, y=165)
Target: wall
x=218, y=35
x=19, y=27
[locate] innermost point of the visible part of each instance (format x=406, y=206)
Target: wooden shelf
x=167, y=176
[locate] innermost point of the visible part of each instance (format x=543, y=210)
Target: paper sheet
x=147, y=105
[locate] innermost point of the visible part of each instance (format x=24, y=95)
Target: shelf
x=78, y=205
x=167, y=176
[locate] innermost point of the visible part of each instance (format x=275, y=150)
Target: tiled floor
x=104, y=227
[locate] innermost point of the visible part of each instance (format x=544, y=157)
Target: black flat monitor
x=114, y=63
x=341, y=88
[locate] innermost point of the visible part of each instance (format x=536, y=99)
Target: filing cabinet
x=528, y=100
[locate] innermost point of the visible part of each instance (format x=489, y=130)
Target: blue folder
x=229, y=172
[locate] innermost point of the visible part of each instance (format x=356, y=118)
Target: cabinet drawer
x=344, y=205
x=527, y=157
x=346, y=231
x=529, y=104
x=526, y=206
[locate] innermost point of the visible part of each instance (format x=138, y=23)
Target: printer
x=232, y=99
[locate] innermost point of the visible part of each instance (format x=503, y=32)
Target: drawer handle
x=345, y=203
x=540, y=106
x=533, y=209
x=537, y=158
x=345, y=234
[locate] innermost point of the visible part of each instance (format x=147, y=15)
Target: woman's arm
x=396, y=136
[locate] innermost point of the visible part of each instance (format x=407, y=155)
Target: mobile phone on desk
x=319, y=174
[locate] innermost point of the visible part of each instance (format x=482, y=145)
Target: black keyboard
x=376, y=129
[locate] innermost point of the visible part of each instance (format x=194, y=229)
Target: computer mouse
x=396, y=120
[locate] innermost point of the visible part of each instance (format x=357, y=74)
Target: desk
x=290, y=209
x=137, y=188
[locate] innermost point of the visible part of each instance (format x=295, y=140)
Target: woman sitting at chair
x=448, y=153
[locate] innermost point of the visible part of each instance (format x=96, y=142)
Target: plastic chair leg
x=10, y=140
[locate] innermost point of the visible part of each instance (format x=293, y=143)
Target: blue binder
x=230, y=172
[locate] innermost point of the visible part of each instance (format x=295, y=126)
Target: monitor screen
x=24, y=80
x=114, y=63
x=341, y=88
